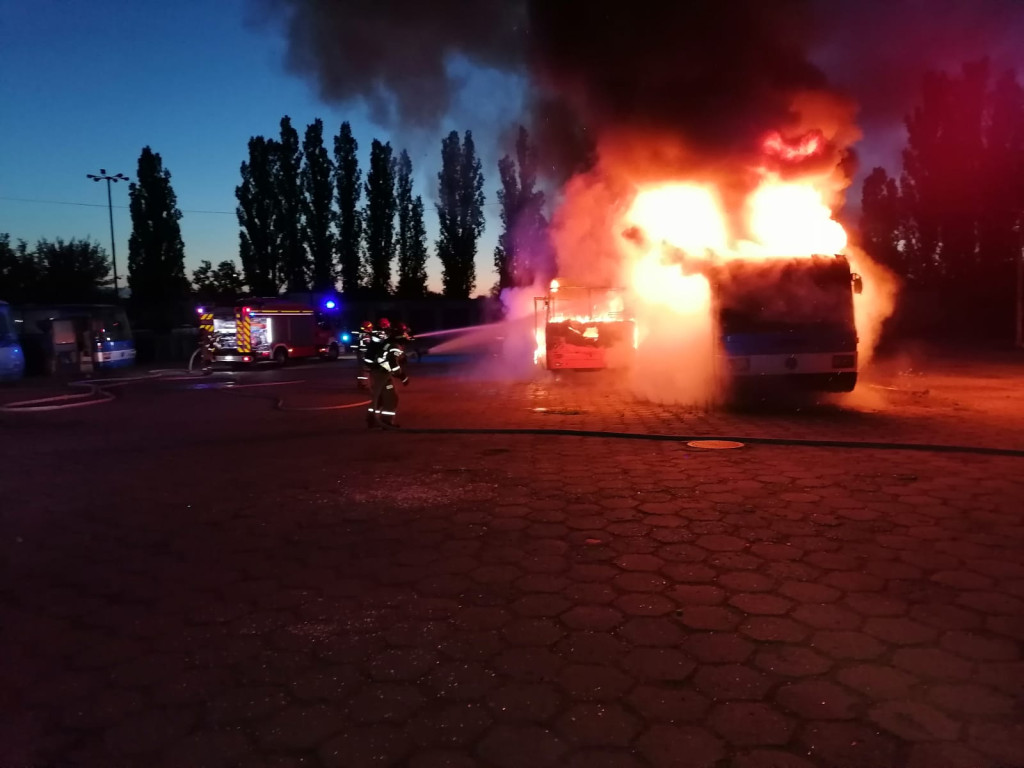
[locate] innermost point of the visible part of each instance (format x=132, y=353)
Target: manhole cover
x=714, y=445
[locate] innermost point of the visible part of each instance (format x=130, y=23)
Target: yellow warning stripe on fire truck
x=243, y=333
x=206, y=322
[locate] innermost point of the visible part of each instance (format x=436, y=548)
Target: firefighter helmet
x=384, y=324
x=403, y=329
x=366, y=327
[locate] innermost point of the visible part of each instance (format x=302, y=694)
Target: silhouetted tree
x=222, y=285
x=962, y=198
x=318, y=185
x=57, y=271
x=522, y=244
x=19, y=271
x=460, y=213
x=348, y=180
x=156, y=252
x=71, y=271
x=380, y=218
x=258, y=249
x=288, y=221
x=883, y=223
x=412, y=247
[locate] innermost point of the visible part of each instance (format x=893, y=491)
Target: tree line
x=308, y=221
x=949, y=224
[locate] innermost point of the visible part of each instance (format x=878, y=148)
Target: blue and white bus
x=788, y=323
x=12, y=359
x=62, y=335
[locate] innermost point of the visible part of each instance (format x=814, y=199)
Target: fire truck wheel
x=281, y=356
x=332, y=352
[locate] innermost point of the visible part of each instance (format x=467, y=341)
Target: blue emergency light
x=346, y=338
x=330, y=304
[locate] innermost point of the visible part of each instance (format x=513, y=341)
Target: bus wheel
x=281, y=356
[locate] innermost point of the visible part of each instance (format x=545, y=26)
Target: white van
x=12, y=360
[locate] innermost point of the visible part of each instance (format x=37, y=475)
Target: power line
x=125, y=207
x=99, y=205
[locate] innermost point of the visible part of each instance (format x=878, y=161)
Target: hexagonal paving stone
x=662, y=745
x=379, y=743
x=597, y=618
x=592, y=682
x=301, y=727
x=774, y=629
x=717, y=647
x=461, y=680
x=760, y=604
x=659, y=664
x=970, y=699
x=971, y=645
x=850, y=745
x=597, y=725
x=532, y=632
x=792, y=661
x=748, y=724
x=932, y=662
x=726, y=682
x=451, y=725
x=525, y=702
x=818, y=700
x=661, y=631
x=914, y=721
x=660, y=703
x=380, y=702
x=877, y=681
x=401, y=664
x=827, y=617
x=770, y=758
x=847, y=645
x=521, y=746
x=1002, y=741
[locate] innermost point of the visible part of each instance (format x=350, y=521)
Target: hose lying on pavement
x=781, y=441
x=97, y=392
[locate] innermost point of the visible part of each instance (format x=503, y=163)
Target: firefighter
x=364, y=338
x=385, y=359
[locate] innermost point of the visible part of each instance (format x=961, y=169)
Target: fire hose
x=98, y=393
x=776, y=441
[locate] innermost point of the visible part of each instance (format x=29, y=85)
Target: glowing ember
x=807, y=146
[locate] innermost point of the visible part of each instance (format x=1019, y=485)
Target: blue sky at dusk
x=87, y=84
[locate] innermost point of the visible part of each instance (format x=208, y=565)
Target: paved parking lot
x=195, y=577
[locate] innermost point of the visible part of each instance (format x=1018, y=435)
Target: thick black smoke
x=393, y=54
x=717, y=72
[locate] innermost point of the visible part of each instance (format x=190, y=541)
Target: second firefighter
x=384, y=358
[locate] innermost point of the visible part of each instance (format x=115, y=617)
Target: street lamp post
x=104, y=176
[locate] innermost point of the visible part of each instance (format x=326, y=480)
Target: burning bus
x=581, y=328
x=787, y=321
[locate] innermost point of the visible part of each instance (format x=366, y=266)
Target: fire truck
x=265, y=330
x=581, y=328
x=788, y=322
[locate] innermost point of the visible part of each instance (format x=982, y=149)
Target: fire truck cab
x=581, y=328
x=265, y=330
